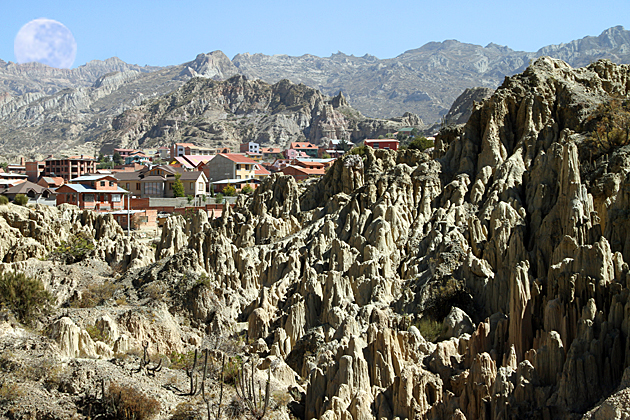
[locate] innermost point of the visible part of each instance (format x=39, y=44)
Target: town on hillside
x=140, y=188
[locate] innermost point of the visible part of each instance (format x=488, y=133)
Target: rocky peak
x=339, y=101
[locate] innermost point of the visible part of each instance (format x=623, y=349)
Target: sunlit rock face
x=486, y=280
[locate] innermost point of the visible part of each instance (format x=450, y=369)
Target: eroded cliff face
x=500, y=225
x=507, y=236
x=226, y=113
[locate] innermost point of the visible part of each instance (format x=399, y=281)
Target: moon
x=45, y=41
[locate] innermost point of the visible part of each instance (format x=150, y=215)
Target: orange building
x=97, y=192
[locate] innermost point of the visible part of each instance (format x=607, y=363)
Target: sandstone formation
x=510, y=238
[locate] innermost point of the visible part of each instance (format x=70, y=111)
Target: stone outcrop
x=499, y=237
x=488, y=280
x=223, y=113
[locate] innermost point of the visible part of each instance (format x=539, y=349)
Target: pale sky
x=161, y=32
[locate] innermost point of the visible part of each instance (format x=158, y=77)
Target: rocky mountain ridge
x=426, y=80
x=226, y=113
x=423, y=81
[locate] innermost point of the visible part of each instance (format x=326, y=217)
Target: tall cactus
x=246, y=390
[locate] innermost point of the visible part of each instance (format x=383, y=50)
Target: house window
x=137, y=185
x=192, y=186
x=111, y=183
x=238, y=167
x=115, y=198
x=153, y=188
x=102, y=183
x=88, y=198
x=375, y=145
x=238, y=177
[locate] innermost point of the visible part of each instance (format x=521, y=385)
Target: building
x=137, y=157
x=163, y=153
x=49, y=182
x=158, y=181
x=97, y=192
x=34, y=170
x=312, y=163
x=130, y=181
x=192, y=162
x=300, y=173
x=262, y=172
x=181, y=149
x=303, y=146
x=231, y=166
x=13, y=178
x=29, y=189
x=125, y=152
x=295, y=154
x=389, y=144
x=250, y=147
x=335, y=148
x=138, y=219
x=70, y=167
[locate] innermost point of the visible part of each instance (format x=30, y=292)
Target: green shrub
x=76, y=249
x=420, y=143
x=96, y=334
x=181, y=360
x=358, y=150
x=218, y=198
x=24, y=296
x=20, y=200
x=4, y=200
x=94, y=295
x=247, y=189
x=126, y=403
x=229, y=190
x=231, y=371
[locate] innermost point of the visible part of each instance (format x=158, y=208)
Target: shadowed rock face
x=506, y=230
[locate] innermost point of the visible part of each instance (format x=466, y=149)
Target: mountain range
x=45, y=110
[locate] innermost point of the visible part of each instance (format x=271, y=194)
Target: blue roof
x=85, y=189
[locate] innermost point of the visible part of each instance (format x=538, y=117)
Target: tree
x=344, y=145
x=118, y=160
x=24, y=296
x=420, y=143
x=247, y=189
x=178, y=187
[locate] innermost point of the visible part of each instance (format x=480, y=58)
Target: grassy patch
x=429, y=328
x=94, y=295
